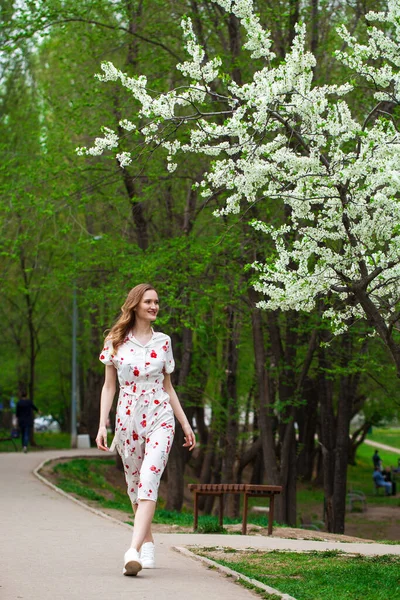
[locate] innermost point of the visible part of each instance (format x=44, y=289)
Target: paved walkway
x=52, y=548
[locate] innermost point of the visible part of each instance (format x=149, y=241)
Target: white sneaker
x=132, y=562
x=147, y=555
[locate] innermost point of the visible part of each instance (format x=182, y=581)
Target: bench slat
x=235, y=487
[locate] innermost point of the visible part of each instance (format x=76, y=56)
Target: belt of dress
x=127, y=421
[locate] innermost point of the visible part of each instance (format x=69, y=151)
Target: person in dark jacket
x=24, y=413
x=376, y=459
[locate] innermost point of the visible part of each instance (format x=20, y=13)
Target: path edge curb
x=95, y=511
x=231, y=573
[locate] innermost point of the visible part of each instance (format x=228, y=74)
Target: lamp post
x=74, y=376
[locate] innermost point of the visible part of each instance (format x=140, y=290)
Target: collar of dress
x=135, y=341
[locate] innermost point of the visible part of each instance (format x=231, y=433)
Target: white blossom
x=294, y=143
x=128, y=125
x=124, y=159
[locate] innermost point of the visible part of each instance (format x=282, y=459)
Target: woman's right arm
x=107, y=397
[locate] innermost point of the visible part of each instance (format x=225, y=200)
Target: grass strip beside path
x=315, y=575
x=87, y=478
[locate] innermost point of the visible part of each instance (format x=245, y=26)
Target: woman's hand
x=190, y=438
x=101, y=439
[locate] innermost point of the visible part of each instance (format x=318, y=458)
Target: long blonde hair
x=126, y=320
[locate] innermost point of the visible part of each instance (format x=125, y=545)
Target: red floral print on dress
x=141, y=389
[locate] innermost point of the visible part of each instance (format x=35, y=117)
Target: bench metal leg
x=221, y=509
x=271, y=513
x=196, y=511
x=245, y=507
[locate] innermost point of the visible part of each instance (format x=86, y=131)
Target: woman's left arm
x=190, y=438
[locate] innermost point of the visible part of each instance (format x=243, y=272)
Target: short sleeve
x=169, y=357
x=107, y=354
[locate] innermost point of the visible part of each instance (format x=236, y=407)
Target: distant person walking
x=24, y=414
x=376, y=459
x=379, y=481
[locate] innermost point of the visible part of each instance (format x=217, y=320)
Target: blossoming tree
x=283, y=141
x=282, y=138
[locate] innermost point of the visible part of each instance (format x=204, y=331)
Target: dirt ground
x=376, y=523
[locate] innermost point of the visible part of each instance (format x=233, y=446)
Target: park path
x=52, y=548
x=382, y=446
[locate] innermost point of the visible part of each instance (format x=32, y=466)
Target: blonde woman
x=144, y=429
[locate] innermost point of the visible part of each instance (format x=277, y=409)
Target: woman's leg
x=158, y=444
x=149, y=535
x=142, y=528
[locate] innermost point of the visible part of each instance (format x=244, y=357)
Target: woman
x=147, y=403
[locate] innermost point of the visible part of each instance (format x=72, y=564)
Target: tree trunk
x=176, y=460
x=306, y=418
x=327, y=438
x=264, y=413
x=341, y=455
x=229, y=393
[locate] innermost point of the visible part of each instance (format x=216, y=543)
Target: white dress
x=145, y=423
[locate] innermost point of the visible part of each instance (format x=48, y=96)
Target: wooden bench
x=249, y=491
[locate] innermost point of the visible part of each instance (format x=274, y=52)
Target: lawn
x=360, y=475
x=389, y=436
x=316, y=575
x=43, y=441
x=381, y=521
x=87, y=478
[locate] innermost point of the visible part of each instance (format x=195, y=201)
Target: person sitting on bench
x=380, y=481
x=387, y=475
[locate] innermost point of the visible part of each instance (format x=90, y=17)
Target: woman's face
x=147, y=308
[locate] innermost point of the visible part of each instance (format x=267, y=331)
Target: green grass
x=87, y=478
x=318, y=575
x=49, y=440
x=46, y=440
x=360, y=475
x=390, y=437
